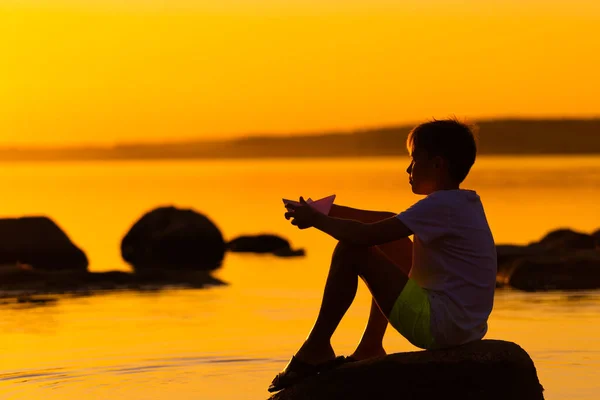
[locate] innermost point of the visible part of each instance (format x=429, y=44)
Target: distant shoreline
x=55, y=160
x=514, y=137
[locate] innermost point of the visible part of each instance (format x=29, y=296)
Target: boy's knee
x=346, y=247
x=349, y=251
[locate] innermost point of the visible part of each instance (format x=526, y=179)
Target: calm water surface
x=228, y=342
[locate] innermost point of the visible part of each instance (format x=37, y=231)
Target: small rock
x=264, y=243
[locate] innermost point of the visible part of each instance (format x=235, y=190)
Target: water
x=228, y=342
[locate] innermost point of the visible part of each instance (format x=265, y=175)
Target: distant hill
x=509, y=136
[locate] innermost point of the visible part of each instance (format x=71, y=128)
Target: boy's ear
x=438, y=162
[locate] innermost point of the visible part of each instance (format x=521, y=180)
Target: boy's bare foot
x=364, y=353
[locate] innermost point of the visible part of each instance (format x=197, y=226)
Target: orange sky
x=77, y=71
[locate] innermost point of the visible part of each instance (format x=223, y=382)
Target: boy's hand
x=303, y=216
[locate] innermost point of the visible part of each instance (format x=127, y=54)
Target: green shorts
x=411, y=315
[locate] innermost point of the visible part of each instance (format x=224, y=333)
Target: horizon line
x=281, y=135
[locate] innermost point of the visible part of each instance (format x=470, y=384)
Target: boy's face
x=424, y=172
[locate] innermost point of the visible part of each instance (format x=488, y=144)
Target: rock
x=263, y=244
x=25, y=283
x=566, y=239
x=39, y=242
x=488, y=369
x=556, y=242
x=508, y=253
x=174, y=239
x=596, y=236
x=575, y=271
x=562, y=260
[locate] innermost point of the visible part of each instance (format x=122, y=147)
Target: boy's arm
x=363, y=234
x=366, y=216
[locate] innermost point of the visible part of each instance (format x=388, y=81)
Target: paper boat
x=322, y=205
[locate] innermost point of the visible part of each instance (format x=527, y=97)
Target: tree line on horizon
x=508, y=136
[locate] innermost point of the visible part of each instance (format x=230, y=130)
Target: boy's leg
x=384, y=279
x=400, y=253
x=371, y=342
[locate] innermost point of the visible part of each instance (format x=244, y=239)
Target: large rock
x=483, y=370
x=176, y=239
x=39, y=242
x=561, y=260
x=263, y=244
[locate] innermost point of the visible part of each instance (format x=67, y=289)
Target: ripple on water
x=140, y=367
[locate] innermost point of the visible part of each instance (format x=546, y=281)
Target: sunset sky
x=105, y=71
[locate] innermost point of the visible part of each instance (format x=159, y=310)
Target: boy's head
x=442, y=153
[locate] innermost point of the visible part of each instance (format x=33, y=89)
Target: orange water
x=228, y=342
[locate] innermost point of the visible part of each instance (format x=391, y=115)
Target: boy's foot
x=298, y=370
x=311, y=359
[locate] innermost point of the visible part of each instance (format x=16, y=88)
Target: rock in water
x=567, y=240
x=482, y=370
x=39, y=242
x=264, y=243
x=561, y=260
x=576, y=271
x=175, y=239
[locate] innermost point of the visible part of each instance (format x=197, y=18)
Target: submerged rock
x=26, y=282
x=264, y=243
x=39, y=242
x=561, y=260
x=173, y=239
x=482, y=370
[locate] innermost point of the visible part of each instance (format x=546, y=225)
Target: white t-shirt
x=454, y=259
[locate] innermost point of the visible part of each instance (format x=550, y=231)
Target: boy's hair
x=450, y=139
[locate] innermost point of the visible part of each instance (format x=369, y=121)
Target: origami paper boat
x=322, y=205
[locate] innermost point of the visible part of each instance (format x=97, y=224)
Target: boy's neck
x=447, y=185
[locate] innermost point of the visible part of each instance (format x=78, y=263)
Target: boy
x=448, y=295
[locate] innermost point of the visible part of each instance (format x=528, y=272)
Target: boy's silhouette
x=437, y=292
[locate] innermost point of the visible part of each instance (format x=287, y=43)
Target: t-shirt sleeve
x=427, y=219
